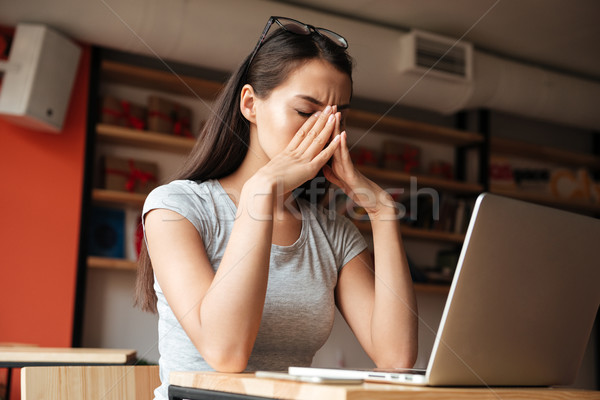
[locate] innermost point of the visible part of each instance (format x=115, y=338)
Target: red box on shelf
x=401, y=156
x=122, y=113
x=128, y=175
x=364, y=156
x=167, y=116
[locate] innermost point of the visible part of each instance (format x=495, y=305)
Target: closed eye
x=304, y=114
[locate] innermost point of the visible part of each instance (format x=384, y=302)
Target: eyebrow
x=319, y=103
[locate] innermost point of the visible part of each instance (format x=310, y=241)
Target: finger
x=344, y=151
x=321, y=158
x=331, y=176
x=303, y=131
x=315, y=130
x=338, y=123
x=319, y=141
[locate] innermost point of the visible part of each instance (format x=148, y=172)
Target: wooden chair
x=90, y=382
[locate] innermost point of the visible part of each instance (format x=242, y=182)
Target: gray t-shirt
x=299, y=307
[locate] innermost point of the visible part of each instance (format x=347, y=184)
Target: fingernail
x=327, y=109
x=317, y=114
x=336, y=139
x=331, y=118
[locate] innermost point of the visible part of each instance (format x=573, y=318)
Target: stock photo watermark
x=402, y=203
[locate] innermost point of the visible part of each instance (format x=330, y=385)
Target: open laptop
x=521, y=305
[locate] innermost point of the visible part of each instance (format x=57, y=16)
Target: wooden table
x=212, y=385
x=28, y=356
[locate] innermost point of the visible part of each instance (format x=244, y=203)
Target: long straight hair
x=223, y=142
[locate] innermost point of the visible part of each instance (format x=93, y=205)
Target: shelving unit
x=544, y=199
x=118, y=198
x=143, y=139
x=412, y=129
x=126, y=265
x=111, y=263
x=163, y=81
x=385, y=175
x=520, y=149
x=421, y=234
x=116, y=72
x=543, y=153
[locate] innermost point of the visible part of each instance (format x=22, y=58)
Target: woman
x=245, y=274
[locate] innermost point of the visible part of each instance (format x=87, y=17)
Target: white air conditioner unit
x=38, y=78
x=435, y=55
x=436, y=72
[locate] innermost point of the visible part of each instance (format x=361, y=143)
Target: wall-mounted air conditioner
x=436, y=56
x=435, y=72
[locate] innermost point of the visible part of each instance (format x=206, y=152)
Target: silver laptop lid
x=523, y=300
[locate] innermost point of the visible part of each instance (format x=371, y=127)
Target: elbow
x=402, y=359
x=226, y=360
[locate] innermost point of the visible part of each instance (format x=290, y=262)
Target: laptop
x=521, y=306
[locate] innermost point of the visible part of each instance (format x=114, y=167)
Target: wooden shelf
x=164, y=81
x=544, y=199
x=432, y=288
x=510, y=147
x=126, y=265
x=403, y=178
x=201, y=88
x=111, y=263
x=144, y=139
x=416, y=233
x=412, y=129
x=116, y=197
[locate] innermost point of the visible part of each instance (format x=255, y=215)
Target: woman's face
x=308, y=89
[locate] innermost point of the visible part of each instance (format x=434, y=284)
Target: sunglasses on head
x=299, y=28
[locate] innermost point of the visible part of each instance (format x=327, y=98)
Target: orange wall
x=41, y=175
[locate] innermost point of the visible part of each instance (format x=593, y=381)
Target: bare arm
x=212, y=308
x=378, y=302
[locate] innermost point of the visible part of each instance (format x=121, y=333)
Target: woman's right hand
x=306, y=153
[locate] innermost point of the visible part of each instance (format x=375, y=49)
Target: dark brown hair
x=224, y=139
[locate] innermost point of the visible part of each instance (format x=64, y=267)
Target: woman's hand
x=306, y=153
x=364, y=192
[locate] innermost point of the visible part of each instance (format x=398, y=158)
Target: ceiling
x=560, y=35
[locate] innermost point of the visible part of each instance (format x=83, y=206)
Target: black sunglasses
x=299, y=28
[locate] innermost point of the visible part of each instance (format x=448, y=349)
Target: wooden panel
x=111, y=263
x=403, y=178
x=411, y=129
x=90, y=383
x=432, y=288
x=249, y=385
x=416, y=233
x=573, y=205
x=145, y=139
x=29, y=354
x=118, y=198
x=543, y=153
x=165, y=81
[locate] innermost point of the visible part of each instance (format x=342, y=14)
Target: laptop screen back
x=523, y=300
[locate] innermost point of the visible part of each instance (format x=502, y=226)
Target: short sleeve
x=189, y=200
x=352, y=242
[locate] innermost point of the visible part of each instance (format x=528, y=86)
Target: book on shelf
x=444, y=213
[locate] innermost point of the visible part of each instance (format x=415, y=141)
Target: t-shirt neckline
x=299, y=241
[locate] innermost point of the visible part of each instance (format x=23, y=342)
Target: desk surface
x=247, y=384
x=27, y=355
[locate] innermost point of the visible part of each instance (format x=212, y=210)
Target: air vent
x=427, y=53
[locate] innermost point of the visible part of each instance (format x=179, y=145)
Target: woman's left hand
x=364, y=192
